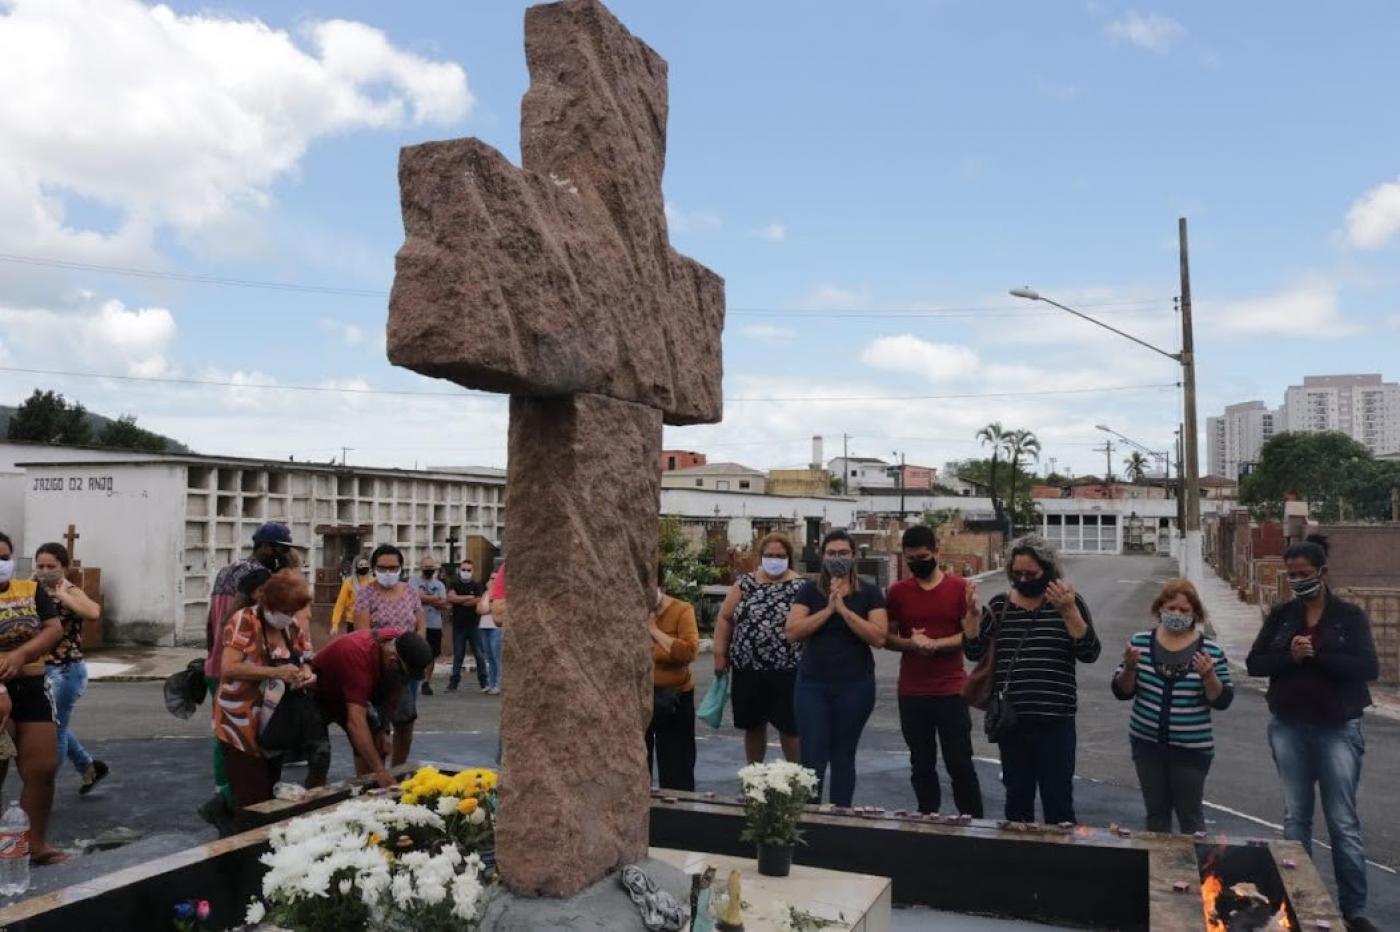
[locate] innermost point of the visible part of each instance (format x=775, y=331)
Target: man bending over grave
x=359, y=678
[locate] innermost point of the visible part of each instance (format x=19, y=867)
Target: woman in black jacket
x=1317, y=652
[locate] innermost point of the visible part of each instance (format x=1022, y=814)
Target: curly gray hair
x=1039, y=550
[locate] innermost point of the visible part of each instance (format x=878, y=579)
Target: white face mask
x=7, y=570
x=387, y=578
x=1177, y=622
x=775, y=566
x=277, y=620
x=465, y=574
x=49, y=577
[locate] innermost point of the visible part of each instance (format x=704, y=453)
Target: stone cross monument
x=556, y=283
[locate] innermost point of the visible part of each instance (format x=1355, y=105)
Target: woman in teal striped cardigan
x=1175, y=677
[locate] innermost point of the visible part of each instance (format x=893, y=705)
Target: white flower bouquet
x=369, y=864
x=774, y=795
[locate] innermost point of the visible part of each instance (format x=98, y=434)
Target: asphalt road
x=161, y=770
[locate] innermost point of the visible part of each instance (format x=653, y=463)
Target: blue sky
x=906, y=162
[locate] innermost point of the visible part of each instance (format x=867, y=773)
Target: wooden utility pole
x=845, y=465
x=1190, y=474
x=1107, y=449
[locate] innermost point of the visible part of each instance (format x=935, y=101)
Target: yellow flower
x=375, y=840
x=467, y=806
x=410, y=799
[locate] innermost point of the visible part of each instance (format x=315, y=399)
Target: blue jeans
x=464, y=636
x=1330, y=757
x=830, y=718
x=490, y=639
x=67, y=682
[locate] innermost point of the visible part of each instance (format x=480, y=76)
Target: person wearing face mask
x=670, y=736
x=926, y=611
x=1318, y=653
x=751, y=642
x=389, y=607
x=272, y=548
x=359, y=682
x=838, y=619
x=66, y=668
x=29, y=631
x=262, y=644
x=1042, y=631
x=432, y=593
x=464, y=595
x=1175, y=677
x=343, y=615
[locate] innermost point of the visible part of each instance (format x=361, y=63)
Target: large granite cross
x=556, y=282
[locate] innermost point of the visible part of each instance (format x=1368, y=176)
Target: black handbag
x=1001, y=712
x=185, y=690
x=295, y=727
x=664, y=701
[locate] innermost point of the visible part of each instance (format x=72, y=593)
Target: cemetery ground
x=161, y=765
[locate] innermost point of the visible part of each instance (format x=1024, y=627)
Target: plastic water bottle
x=14, y=851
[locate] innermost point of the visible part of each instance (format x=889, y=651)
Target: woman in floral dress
x=750, y=640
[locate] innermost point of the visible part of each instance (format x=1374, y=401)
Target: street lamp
x=1163, y=458
x=1190, y=558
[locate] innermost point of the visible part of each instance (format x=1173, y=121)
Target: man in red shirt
x=926, y=612
x=359, y=678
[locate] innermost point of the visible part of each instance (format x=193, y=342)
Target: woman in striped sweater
x=1174, y=676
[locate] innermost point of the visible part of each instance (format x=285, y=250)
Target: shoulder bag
x=1001, y=712
x=978, y=688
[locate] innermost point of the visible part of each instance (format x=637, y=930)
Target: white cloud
x=694, y=221
x=108, y=337
x=355, y=335
x=1308, y=308
x=768, y=333
x=774, y=232
x=1375, y=217
x=1151, y=31
x=935, y=362
x=182, y=121
x=829, y=297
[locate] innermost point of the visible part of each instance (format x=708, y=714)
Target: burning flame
x=1211, y=888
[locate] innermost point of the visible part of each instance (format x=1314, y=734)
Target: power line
x=346, y=390
x=1005, y=310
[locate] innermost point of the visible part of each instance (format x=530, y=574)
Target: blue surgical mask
x=1177, y=622
x=775, y=566
x=7, y=570
x=387, y=578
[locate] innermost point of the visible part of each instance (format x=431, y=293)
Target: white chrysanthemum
x=446, y=805
x=256, y=913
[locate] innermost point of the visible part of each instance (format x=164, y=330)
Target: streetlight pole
x=1190, y=475
x=1188, y=468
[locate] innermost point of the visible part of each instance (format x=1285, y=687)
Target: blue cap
x=273, y=533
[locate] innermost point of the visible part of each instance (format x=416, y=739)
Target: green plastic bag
x=711, y=710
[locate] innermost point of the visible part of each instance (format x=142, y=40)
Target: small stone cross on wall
x=556, y=283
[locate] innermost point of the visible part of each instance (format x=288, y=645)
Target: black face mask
x=274, y=562
x=922, y=567
x=362, y=571
x=1031, y=588
x=429, y=574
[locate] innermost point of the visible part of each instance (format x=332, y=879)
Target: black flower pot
x=774, y=860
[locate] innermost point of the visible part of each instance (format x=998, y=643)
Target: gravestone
x=556, y=283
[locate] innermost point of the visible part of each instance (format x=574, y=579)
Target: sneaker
x=1360, y=924
x=493, y=691
x=427, y=689
x=98, y=770
x=486, y=690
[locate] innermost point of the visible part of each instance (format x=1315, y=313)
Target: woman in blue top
x=839, y=619
x=1174, y=676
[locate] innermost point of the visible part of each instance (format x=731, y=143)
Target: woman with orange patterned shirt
x=262, y=643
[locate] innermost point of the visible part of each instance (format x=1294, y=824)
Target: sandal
x=99, y=771
x=48, y=857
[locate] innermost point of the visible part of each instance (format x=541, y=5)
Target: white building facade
x=1235, y=438
x=1364, y=407
x=717, y=477
x=862, y=472
x=162, y=528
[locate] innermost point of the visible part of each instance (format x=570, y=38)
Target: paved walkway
x=1237, y=624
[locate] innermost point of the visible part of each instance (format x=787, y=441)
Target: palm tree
x=995, y=436
x=1136, y=466
x=1020, y=444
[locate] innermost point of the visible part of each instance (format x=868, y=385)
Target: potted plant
x=774, y=795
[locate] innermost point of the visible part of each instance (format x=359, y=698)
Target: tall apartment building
x=1363, y=407
x=1236, y=437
